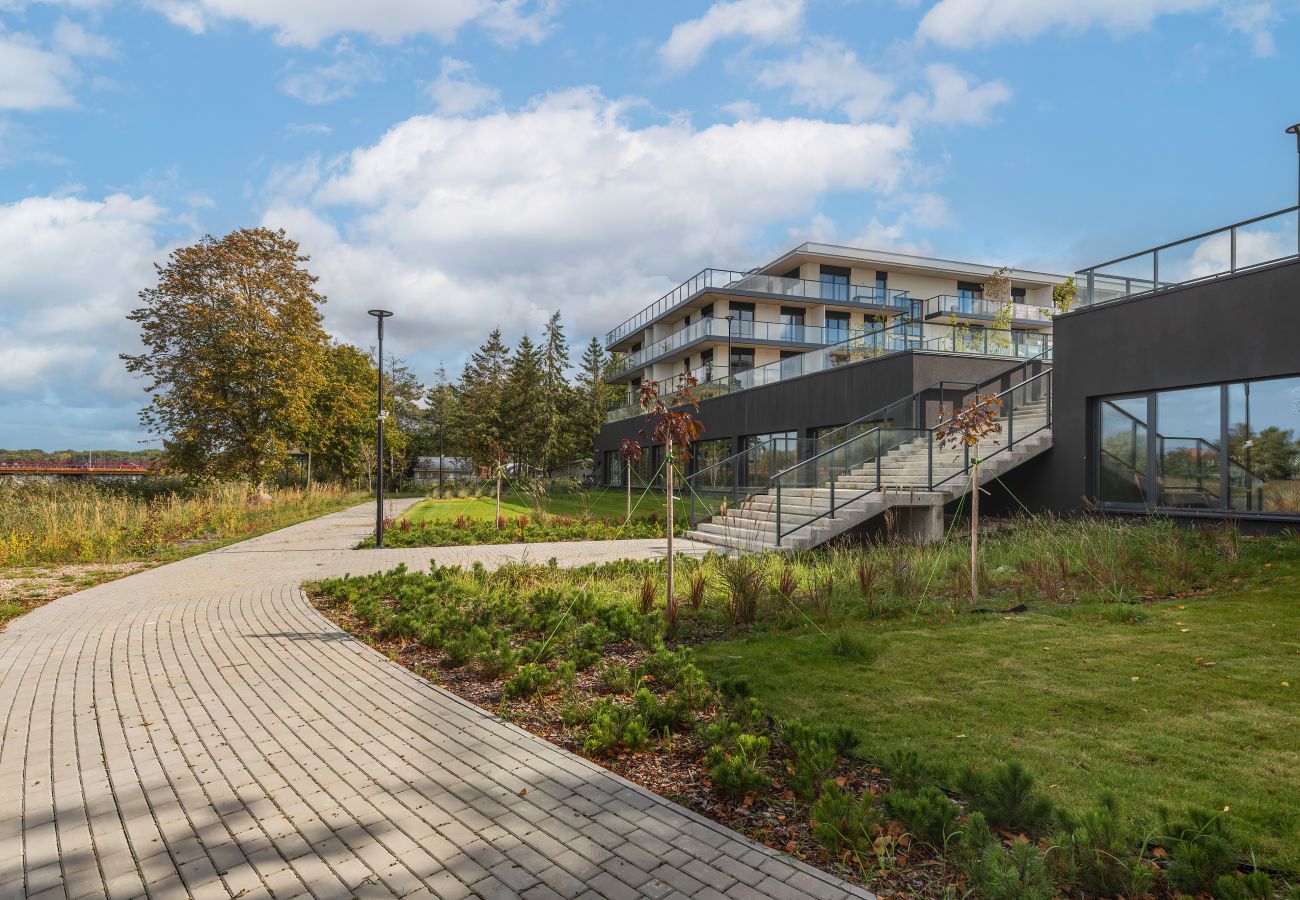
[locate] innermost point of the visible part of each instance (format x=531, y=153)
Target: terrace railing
x=772, y=285
x=1224, y=251
x=980, y=306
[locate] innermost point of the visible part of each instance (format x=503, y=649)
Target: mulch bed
x=676, y=771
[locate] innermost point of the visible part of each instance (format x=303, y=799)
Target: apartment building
x=769, y=347
x=824, y=374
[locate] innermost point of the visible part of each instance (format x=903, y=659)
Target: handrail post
x=778, y=510
x=929, y=476
x=1232, y=253
x=832, y=473
x=1011, y=420
x=877, y=459
x=1048, y=378
x=1155, y=269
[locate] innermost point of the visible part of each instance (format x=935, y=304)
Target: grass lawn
x=1189, y=706
x=598, y=503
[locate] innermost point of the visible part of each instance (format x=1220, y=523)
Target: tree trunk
x=974, y=532
x=500, y=469
x=309, y=471
x=670, y=604
x=628, y=517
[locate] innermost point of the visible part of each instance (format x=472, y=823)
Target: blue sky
x=472, y=163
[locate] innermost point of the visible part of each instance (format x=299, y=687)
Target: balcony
x=1240, y=247
x=713, y=329
x=978, y=310
x=860, y=347
x=748, y=284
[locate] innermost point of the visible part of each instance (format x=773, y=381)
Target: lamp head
x=380, y=313
x=1294, y=129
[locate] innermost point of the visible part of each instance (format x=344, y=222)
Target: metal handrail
x=775, y=483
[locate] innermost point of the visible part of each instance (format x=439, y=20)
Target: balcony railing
x=978, y=306
x=1225, y=251
x=862, y=346
x=717, y=329
x=773, y=285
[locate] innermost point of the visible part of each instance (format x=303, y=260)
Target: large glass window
x=1187, y=448
x=837, y=327
x=968, y=292
x=1263, y=449
x=835, y=283
x=1123, y=450
x=792, y=323
x=768, y=454
x=1185, y=434
x=705, y=459
x=742, y=359
x=742, y=324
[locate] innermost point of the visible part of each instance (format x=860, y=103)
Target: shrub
x=461, y=650
x=811, y=763
x=530, y=680
x=908, y=772
x=499, y=658
x=841, y=820
x=1252, y=886
x=738, y=772
x=927, y=814
x=1094, y=853
x=646, y=602
x=699, y=583
x=853, y=647
x=617, y=677
x=1200, y=850
x=1006, y=797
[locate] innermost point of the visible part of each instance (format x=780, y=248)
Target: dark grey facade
x=1231, y=329
x=820, y=400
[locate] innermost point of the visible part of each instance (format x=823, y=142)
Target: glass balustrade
x=980, y=306
x=717, y=330
x=774, y=286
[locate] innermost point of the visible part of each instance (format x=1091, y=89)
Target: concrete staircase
x=904, y=485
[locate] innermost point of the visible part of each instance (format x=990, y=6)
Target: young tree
x=593, y=398
x=341, y=429
x=1063, y=295
x=403, y=394
x=676, y=430
x=439, y=418
x=966, y=427
x=997, y=289
x=630, y=452
x=557, y=397
x=480, y=398
x=233, y=353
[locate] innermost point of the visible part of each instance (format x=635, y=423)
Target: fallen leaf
x=1134, y=678
x=1284, y=684
x=523, y=791
x=787, y=795
x=1158, y=852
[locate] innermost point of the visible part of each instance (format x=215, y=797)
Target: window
x=742, y=359
x=706, y=312
x=837, y=327
x=767, y=454
x=1123, y=450
x=706, y=364
x=705, y=456
x=1183, y=437
x=967, y=293
x=792, y=323
x=835, y=283
x=636, y=347
x=882, y=286
x=743, y=326
x=1263, y=450
x=1017, y=295
x=793, y=273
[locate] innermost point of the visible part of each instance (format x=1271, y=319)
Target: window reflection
x=1187, y=448
x=1264, y=453
x=1124, y=450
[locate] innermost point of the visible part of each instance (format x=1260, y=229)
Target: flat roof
x=905, y=262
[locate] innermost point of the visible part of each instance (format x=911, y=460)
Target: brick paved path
x=200, y=730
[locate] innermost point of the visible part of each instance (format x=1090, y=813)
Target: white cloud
x=761, y=21
x=333, y=81
x=308, y=22
x=72, y=272
x=32, y=77
x=973, y=23
x=456, y=92
x=73, y=39
x=953, y=98
x=827, y=75
x=463, y=223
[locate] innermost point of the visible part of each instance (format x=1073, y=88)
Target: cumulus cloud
x=456, y=92
x=32, y=76
x=827, y=75
x=463, y=223
x=759, y=21
x=73, y=39
x=954, y=98
x=973, y=23
x=335, y=80
x=308, y=22
x=72, y=272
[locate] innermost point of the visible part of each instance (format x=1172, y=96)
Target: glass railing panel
x=1124, y=278
x=1267, y=241
x=1195, y=259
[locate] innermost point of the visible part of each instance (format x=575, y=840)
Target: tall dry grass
x=65, y=522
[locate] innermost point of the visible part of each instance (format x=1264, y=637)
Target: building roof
x=894, y=261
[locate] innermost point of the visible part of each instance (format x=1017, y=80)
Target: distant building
x=449, y=468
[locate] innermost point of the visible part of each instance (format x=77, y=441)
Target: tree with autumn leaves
x=240, y=370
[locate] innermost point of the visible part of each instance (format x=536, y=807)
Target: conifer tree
x=594, y=394
x=557, y=399
x=525, y=406
x=479, y=411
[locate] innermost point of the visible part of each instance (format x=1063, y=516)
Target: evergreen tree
x=479, y=411
x=525, y=405
x=594, y=396
x=557, y=399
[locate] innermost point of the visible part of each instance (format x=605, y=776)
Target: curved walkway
x=199, y=730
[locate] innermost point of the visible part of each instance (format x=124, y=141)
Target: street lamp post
x=1295, y=129
x=380, y=315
